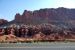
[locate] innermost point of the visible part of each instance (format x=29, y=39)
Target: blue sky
x=8, y=8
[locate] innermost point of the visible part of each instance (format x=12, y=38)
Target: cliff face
x=59, y=15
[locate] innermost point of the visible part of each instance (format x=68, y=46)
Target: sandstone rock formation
x=58, y=16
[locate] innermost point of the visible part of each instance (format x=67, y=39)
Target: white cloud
x=66, y=3
x=69, y=3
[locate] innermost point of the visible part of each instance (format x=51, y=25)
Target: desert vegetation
x=35, y=33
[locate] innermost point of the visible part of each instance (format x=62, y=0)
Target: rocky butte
x=58, y=16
